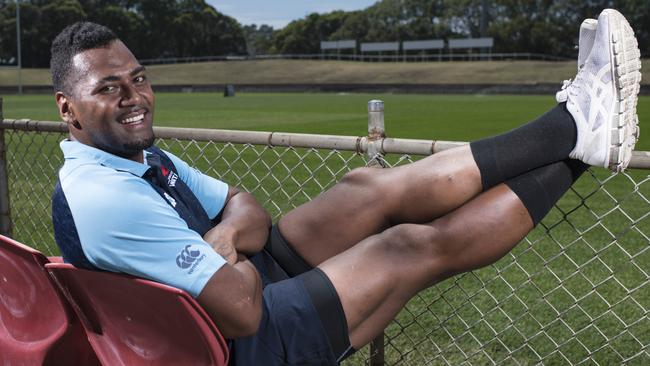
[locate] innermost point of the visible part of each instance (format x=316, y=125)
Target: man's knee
x=376, y=186
x=416, y=247
x=360, y=176
x=413, y=240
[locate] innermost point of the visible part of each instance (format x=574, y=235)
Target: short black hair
x=72, y=40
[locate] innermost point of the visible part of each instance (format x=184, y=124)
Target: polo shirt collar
x=75, y=150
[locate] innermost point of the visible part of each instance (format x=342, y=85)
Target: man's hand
x=233, y=296
x=244, y=225
x=222, y=239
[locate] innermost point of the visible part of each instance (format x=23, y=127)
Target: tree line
x=151, y=28
x=536, y=26
x=192, y=28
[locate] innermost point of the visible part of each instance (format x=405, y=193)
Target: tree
x=259, y=40
x=119, y=17
x=304, y=35
x=186, y=28
x=202, y=31
x=538, y=26
x=7, y=26
x=395, y=20
x=151, y=28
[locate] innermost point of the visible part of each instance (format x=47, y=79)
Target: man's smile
x=133, y=118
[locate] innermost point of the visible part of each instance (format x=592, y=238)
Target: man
x=335, y=271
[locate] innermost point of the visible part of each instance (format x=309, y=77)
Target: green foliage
x=151, y=28
x=258, y=39
x=201, y=30
x=40, y=22
x=186, y=28
x=304, y=35
x=537, y=26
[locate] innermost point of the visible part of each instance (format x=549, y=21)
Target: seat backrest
x=132, y=321
x=36, y=324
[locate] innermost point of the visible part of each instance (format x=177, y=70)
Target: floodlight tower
x=20, y=64
x=484, y=18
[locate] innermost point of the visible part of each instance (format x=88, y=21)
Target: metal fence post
x=5, y=217
x=376, y=134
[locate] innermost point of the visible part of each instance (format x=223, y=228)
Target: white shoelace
x=561, y=96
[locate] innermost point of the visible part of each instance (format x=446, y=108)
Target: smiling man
x=99, y=101
x=332, y=273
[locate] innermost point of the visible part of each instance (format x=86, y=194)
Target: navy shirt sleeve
x=210, y=192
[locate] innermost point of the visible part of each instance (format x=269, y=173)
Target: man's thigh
x=337, y=219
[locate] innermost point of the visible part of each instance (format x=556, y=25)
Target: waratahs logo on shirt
x=189, y=257
x=171, y=176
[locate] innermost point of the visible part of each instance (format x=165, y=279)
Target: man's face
x=112, y=101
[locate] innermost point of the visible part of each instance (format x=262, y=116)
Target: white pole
x=20, y=63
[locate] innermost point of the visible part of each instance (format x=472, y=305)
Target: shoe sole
x=625, y=56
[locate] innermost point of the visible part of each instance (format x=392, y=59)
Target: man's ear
x=65, y=110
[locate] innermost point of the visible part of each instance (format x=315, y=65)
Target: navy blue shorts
x=302, y=319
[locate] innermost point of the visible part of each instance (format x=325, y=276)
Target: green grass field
x=454, y=117
x=577, y=289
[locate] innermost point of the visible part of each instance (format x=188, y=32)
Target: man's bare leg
x=375, y=278
x=369, y=200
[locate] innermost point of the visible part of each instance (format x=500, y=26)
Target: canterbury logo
x=187, y=257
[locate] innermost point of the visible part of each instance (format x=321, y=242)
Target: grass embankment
x=344, y=72
x=574, y=291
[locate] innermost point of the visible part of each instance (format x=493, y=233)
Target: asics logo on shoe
x=187, y=257
x=600, y=91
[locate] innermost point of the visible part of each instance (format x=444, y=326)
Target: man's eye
x=108, y=89
x=140, y=79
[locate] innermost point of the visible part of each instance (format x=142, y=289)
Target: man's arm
x=233, y=299
x=233, y=295
x=244, y=223
x=244, y=226
x=147, y=238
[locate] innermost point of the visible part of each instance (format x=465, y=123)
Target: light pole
x=20, y=63
x=484, y=18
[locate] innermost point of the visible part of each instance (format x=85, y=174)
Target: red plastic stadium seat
x=37, y=326
x=55, y=259
x=131, y=321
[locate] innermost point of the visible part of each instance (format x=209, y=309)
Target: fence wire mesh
x=574, y=291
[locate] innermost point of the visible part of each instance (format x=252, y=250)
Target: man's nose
x=131, y=95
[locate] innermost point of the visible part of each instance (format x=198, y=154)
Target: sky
x=278, y=13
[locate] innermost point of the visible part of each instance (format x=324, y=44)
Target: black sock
x=546, y=140
x=541, y=188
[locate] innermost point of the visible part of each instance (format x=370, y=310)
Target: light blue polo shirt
x=124, y=225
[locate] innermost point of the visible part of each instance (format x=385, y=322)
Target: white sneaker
x=603, y=97
x=586, y=39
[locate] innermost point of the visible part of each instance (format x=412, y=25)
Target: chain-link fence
x=574, y=291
